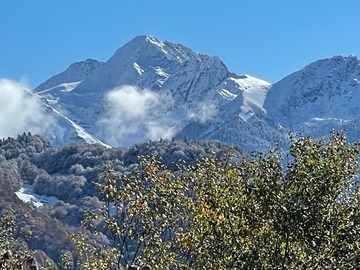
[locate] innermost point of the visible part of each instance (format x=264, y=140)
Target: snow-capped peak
x=142, y=48
x=147, y=62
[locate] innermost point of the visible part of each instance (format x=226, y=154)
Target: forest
x=180, y=205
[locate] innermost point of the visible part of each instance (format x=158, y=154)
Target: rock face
x=151, y=89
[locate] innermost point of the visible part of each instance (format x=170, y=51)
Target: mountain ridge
x=194, y=96
x=76, y=72
x=323, y=95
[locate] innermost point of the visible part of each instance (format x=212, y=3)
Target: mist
x=21, y=111
x=204, y=112
x=130, y=116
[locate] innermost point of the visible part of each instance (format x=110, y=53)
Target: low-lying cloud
x=204, y=112
x=21, y=112
x=131, y=117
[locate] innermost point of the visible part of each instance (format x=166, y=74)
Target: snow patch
x=138, y=68
x=50, y=99
x=63, y=87
x=247, y=81
x=337, y=120
x=26, y=194
x=161, y=72
x=227, y=94
x=156, y=42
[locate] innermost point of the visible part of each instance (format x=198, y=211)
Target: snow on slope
x=254, y=94
x=80, y=132
x=51, y=94
x=323, y=95
x=76, y=72
x=148, y=62
x=316, y=89
x=63, y=129
x=241, y=119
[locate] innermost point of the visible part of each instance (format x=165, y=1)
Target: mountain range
x=151, y=89
x=147, y=91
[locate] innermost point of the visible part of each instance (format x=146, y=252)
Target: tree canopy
x=217, y=214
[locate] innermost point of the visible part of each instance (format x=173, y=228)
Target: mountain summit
x=152, y=89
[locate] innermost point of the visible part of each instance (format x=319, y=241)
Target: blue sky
x=268, y=39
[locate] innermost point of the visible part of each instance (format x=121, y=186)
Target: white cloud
x=21, y=112
x=132, y=115
x=203, y=113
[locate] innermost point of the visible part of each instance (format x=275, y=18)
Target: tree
x=13, y=255
x=220, y=215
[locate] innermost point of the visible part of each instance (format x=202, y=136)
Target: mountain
x=323, y=95
x=152, y=89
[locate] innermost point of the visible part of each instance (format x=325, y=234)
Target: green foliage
x=13, y=255
x=217, y=215
x=92, y=256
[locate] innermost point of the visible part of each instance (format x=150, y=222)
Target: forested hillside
x=69, y=174
x=179, y=205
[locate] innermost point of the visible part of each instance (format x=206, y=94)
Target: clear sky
x=268, y=39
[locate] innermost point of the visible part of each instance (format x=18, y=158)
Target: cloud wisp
x=133, y=115
x=21, y=112
x=204, y=112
